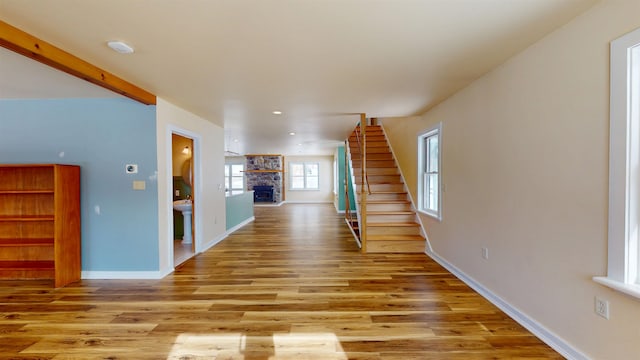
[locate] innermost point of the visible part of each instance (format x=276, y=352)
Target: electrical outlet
x=602, y=307
x=485, y=253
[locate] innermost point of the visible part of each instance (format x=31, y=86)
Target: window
x=624, y=162
x=304, y=176
x=233, y=179
x=429, y=193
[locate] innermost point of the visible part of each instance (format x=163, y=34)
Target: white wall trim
x=307, y=202
x=212, y=243
x=265, y=204
x=624, y=181
x=124, y=275
x=242, y=224
x=546, y=335
x=197, y=189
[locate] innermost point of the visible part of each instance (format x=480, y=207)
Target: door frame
x=196, y=188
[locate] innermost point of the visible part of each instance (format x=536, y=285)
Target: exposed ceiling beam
x=25, y=44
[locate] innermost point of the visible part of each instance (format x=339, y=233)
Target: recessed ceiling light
x=276, y=112
x=120, y=47
x=292, y=133
x=300, y=144
x=235, y=140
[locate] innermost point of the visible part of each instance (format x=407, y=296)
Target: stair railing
x=347, y=202
x=364, y=165
x=363, y=179
x=352, y=180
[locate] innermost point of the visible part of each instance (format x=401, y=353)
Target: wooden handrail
x=366, y=175
x=363, y=193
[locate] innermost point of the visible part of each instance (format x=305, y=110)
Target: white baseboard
x=546, y=335
x=144, y=275
x=308, y=202
x=124, y=275
x=242, y=224
x=265, y=204
x=213, y=242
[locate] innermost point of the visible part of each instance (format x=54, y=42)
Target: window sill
x=435, y=216
x=629, y=289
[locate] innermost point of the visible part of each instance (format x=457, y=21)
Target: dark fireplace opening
x=263, y=193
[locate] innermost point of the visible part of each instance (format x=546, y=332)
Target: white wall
x=209, y=206
x=525, y=165
x=325, y=194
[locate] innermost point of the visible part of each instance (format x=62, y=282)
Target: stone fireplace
x=265, y=170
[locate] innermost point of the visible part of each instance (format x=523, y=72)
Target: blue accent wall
x=239, y=208
x=342, y=176
x=119, y=224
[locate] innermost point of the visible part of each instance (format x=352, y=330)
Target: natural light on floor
x=325, y=346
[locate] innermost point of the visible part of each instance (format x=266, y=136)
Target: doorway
x=183, y=198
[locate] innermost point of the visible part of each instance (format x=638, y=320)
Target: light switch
x=139, y=185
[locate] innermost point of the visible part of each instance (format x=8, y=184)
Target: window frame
x=423, y=158
x=231, y=190
x=624, y=162
x=304, y=168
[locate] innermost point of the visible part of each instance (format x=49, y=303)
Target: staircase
x=390, y=220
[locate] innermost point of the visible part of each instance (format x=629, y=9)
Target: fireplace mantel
x=263, y=171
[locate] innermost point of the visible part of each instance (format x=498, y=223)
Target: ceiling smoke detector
x=120, y=47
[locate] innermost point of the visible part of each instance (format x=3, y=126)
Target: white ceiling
x=235, y=61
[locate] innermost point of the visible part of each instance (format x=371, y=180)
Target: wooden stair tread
x=392, y=237
x=390, y=212
x=27, y=265
x=26, y=242
x=387, y=192
x=391, y=224
x=388, y=202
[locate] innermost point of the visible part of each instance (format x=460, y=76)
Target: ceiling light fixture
x=276, y=112
x=292, y=133
x=185, y=150
x=120, y=47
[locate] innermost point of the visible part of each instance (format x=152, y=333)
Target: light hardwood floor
x=291, y=285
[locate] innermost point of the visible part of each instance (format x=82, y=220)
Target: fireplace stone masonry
x=270, y=167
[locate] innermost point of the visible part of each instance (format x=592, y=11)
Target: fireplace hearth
x=263, y=193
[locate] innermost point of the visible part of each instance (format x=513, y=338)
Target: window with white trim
x=233, y=179
x=624, y=166
x=429, y=184
x=304, y=176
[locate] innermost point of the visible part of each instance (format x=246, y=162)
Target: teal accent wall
x=119, y=224
x=352, y=195
x=340, y=158
x=343, y=174
x=239, y=208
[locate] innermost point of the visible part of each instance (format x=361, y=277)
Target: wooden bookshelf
x=40, y=222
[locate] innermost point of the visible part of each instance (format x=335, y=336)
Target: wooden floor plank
x=291, y=285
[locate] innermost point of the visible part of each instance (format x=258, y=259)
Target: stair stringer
x=423, y=232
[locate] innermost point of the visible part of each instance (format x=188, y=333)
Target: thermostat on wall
x=131, y=169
